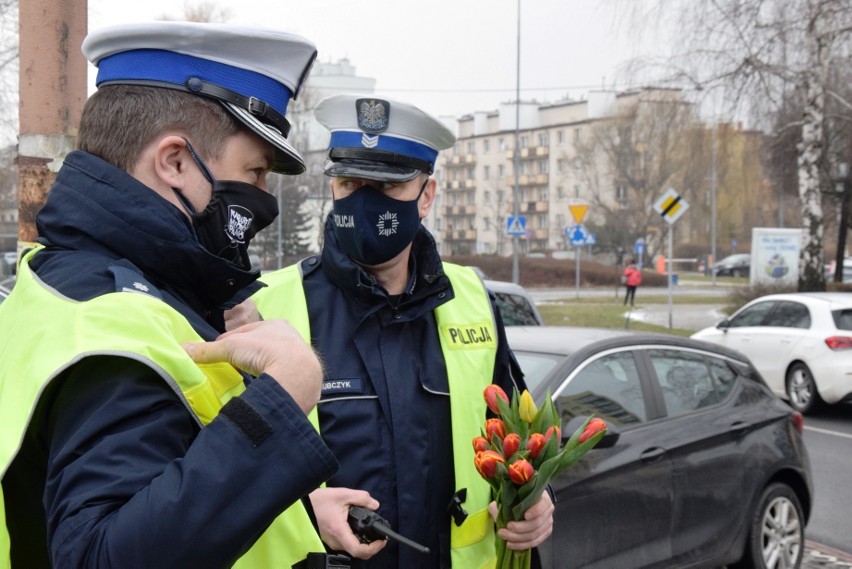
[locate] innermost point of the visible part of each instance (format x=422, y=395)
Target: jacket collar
x=94, y=206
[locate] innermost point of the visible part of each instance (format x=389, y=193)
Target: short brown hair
x=120, y=120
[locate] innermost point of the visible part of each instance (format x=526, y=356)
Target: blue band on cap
x=176, y=68
x=349, y=139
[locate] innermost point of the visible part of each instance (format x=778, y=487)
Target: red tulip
x=594, y=427
x=494, y=427
x=491, y=393
x=535, y=444
x=551, y=431
x=511, y=444
x=480, y=444
x=521, y=471
x=486, y=462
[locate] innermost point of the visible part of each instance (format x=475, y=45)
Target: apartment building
x=477, y=175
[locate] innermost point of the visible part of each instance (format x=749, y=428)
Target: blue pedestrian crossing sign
x=516, y=225
x=578, y=235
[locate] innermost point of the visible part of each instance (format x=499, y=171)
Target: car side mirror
x=571, y=425
x=724, y=325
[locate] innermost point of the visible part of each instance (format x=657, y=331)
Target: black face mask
x=236, y=212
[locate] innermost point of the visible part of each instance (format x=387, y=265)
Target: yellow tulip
x=526, y=407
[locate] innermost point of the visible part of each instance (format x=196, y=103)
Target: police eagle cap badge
x=373, y=115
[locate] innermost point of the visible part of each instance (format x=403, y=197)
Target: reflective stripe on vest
x=469, y=345
x=125, y=324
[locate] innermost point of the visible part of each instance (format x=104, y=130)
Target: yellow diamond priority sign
x=670, y=205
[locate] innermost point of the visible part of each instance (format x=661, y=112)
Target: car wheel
x=776, y=537
x=801, y=388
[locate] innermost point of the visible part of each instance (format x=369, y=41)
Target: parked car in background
x=702, y=466
x=516, y=305
x=801, y=343
x=738, y=265
x=846, y=277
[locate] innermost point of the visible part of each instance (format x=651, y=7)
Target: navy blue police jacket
x=385, y=411
x=114, y=471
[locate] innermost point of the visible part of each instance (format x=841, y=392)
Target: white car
x=801, y=343
x=516, y=305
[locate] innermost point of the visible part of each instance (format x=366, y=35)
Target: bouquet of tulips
x=518, y=454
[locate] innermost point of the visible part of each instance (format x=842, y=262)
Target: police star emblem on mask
x=387, y=224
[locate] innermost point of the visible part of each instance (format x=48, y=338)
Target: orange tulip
x=594, y=427
x=491, y=393
x=554, y=430
x=486, y=462
x=494, y=427
x=535, y=444
x=511, y=444
x=521, y=471
x=480, y=444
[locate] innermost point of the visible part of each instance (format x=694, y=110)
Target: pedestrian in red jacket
x=632, y=279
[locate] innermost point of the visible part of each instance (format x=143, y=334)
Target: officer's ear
x=171, y=161
x=427, y=199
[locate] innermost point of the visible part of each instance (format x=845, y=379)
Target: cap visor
x=366, y=170
x=287, y=159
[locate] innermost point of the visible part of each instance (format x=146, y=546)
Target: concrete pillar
x=52, y=87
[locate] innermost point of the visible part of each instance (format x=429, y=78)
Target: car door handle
x=652, y=454
x=738, y=428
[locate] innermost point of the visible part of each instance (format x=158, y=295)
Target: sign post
x=578, y=236
x=670, y=206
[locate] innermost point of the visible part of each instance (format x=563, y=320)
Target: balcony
x=461, y=235
x=470, y=183
x=470, y=159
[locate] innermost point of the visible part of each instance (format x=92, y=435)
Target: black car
x=738, y=265
x=702, y=465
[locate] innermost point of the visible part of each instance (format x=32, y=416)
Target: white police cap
x=380, y=138
x=253, y=72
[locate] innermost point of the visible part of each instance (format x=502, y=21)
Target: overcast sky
x=450, y=57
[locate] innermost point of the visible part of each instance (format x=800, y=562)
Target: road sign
x=670, y=205
x=578, y=212
x=639, y=246
x=516, y=225
x=577, y=234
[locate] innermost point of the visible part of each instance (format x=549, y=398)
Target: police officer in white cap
x=408, y=344
x=131, y=436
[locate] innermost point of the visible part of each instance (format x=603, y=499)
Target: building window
x=542, y=139
x=471, y=197
x=486, y=146
x=577, y=191
x=560, y=192
x=542, y=166
x=487, y=196
x=525, y=141
x=486, y=172
x=525, y=168
x=541, y=221
x=500, y=171
x=471, y=147
x=576, y=135
x=542, y=194
x=502, y=144
x=621, y=194
x=578, y=164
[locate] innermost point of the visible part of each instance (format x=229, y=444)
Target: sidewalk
x=822, y=556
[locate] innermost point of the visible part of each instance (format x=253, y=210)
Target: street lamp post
x=843, y=184
x=517, y=152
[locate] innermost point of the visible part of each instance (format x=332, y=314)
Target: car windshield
x=536, y=366
x=515, y=310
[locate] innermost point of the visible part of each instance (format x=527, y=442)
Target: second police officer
x=408, y=343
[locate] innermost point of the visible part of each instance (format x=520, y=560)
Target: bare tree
x=201, y=11
x=753, y=53
x=628, y=161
